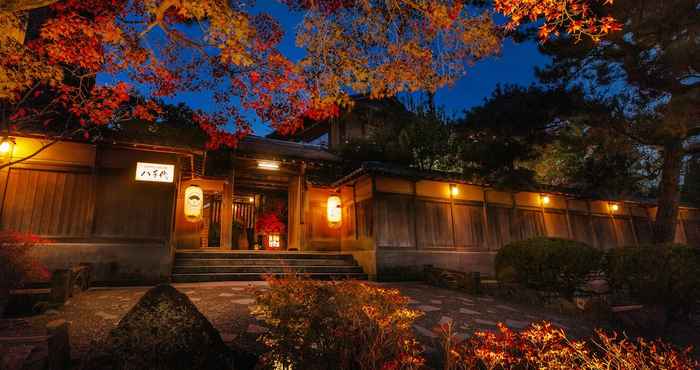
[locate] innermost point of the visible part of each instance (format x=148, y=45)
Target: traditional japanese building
x=143, y=213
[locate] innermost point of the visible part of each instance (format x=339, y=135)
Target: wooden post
x=354, y=207
x=227, y=214
x=415, y=214
x=452, y=217
x=590, y=222
x=485, y=215
x=569, y=229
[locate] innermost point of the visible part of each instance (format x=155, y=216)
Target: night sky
x=515, y=65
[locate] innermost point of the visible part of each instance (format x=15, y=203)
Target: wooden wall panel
x=434, y=224
x=642, y=228
x=528, y=224
x=555, y=223
x=469, y=226
x=48, y=203
x=581, y=228
x=500, y=226
x=347, y=228
x=395, y=217
x=625, y=232
x=605, y=232
x=433, y=189
x=127, y=208
x=692, y=232
x=365, y=219
x=393, y=185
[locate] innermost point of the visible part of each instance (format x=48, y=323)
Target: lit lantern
x=273, y=240
x=194, y=200
x=613, y=207
x=335, y=212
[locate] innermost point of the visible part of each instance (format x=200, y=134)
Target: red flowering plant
x=544, y=346
x=17, y=265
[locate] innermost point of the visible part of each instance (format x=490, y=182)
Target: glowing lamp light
x=251, y=199
x=335, y=212
x=454, y=190
x=194, y=200
x=273, y=241
x=269, y=165
x=614, y=207
x=6, y=146
x=545, y=199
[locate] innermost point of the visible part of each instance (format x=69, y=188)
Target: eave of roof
x=281, y=149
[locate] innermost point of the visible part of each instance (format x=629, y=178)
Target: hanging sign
x=155, y=172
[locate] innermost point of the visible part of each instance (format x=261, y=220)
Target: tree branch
x=24, y=5
x=38, y=151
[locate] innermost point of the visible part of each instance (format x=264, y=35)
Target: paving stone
x=427, y=308
x=244, y=301
x=195, y=299
x=485, y=322
x=256, y=329
x=413, y=301
x=51, y=311
x=469, y=312
x=226, y=295
x=485, y=299
x=106, y=316
x=435, y=301
x=445, y=320
x=228, y=337
x=424, y=332
x=517, y=324
x=507, y=308
x=465, y=299
x=191, y=292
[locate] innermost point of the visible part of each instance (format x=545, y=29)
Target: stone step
x=265, y=269
x=262, y=255
x=181, y=262
x=198, y=278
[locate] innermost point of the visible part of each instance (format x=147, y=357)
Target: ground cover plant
x=17, y=265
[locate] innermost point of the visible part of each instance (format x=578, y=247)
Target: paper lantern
x=273, y=240
x=194, y=200
x=335, y=212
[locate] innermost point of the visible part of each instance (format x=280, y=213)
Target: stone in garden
x=106, y=316
x=164, y=330
x=413, y=301
x=507, y=308
x=435, y=301
x=485, y=299
x=427, y=308
x=515, y=324
x=484, y=322
x=424, y=332
x=244, y=301
x=469, y=312
x=256, y=329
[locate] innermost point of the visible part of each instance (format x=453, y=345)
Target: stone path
x=228, y=305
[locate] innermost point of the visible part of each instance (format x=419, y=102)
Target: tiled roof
x=267, y=148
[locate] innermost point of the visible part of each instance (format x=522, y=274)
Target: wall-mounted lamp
x=269, y=165
x=614, y=207
x=454, y=190
x=6, y=146
x=251, y=199
x=545, y=199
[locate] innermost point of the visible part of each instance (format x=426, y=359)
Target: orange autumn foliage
x=225, y=50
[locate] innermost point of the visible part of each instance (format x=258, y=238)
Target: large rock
x=163, y=331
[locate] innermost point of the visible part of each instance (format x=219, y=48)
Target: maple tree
x=49, y=69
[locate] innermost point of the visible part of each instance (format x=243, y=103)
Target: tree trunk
x=669, y=193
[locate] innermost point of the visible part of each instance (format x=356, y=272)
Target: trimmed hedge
x=662, y=275
x=547, y=264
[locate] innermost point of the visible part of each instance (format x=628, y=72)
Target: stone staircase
x=206, y=266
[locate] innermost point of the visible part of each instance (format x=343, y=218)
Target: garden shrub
x=17, y=265
x=336, y=325
x=547, y=264
x=660, y=275
x=543, y=346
